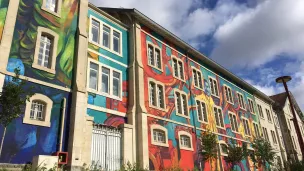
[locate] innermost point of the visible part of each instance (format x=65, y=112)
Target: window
x=223, y=148
x=265, y=134
x=233, y=122
x=197, y=78
x=45, y=50
x=260, y=111
x=154, y=56
x=104, y=80
x=274, y=139
x=241, y=100
x=156, y=95
x=228, y=94
x=105, y=36
x=159, y=135
x=178, y=68
x=268, y=115
x=218, y=117
x=181, y=103
x=52, y=6
x=185, y=140
x=251, y=106
x=213, y=86
x=276, y=121
x=201, y=111
x=256, y=130
x=38, y=110
x=246, y=126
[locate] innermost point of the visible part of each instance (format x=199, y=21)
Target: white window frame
x=57, y=13
x=234, y=124
x=53, y=52
x=262, y=116
x=100, y=44
x=182, y=104
x=268, y=115
x=244, y=122
x=225, y=94
x=202, y=114
x=47, y=114
x=159, y=127
x=184, y=133
x=198, y=71
x=221, y=142
x=251, y=108
x=217, y=93
x=99, y=81
x=241, y=100
x=274, y=137
x=154, y=56
x=257, y=128
x=222, y=118
x=178, y=68
x=265, y=134
x=157, y=83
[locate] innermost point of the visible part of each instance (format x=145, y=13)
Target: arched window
x=185, y=140
x=38, y=110
x=223, y=148
x=159, y=135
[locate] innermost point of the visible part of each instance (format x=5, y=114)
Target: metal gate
x=106, y=148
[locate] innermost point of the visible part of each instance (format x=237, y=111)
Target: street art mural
x=3, y=11
x=108, y=59
x=23, y=141
x=171, y=156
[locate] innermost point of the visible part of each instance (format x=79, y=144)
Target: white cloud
x=258, y=35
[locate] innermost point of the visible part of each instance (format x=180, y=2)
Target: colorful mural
x=107, y=58
x=163, y=157
x=3, y=11
x=23, y=141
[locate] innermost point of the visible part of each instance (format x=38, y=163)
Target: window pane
x=231, y=122
x=204, y=112
x=199, y=77
x=181, y=70
x=221, y=117
x=150, y=55
x=185, y=102
x=157, y=57
x=93, y=80
x=95, y=31
x=199, y=110
x=151, y=92
x=105, y=80
x=175, y=68
x=178, y=103
x=216, y=117
x=116, y=41
x=195, y=77
x=44, y=51
x=160, y=96
x=51, y=5
x=106, y=36
x=37, y=110
x=116, y=84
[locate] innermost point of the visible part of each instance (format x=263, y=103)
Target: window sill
x=36, y=122
x=204, y=122
x=157, y=108
x=57, y=14
x=181, y=115
x=52, y=71
x=230, y=102
x=155, y=67
x=186, y=148
x=221, y=128
x=202, y=89
x=160, y=144
x=215, y=95
x=105, y=48
x=104, y=94
x=179, y=79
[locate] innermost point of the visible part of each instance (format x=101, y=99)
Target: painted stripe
x=108, y=58
x=33, y=80
x=190, y=126
x=193, y=61
x=110, y=111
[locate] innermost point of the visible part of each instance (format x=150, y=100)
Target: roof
x=182, y=44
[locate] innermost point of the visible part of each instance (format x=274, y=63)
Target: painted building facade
x=38, y=37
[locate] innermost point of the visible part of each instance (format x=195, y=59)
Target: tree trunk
x=2, y=140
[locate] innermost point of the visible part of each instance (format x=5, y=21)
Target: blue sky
x=258, y=40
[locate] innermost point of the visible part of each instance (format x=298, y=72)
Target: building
x=285, y=117
x=38, y=37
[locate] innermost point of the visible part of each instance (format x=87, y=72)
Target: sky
x=257, y=40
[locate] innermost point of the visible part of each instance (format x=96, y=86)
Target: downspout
x=61, y=126
x=192, y=113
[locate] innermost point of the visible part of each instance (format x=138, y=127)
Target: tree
x=235, y=153
x=209, y=144
x=263, y=152
x=12, y=100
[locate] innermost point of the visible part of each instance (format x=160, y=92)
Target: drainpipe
x=61, y=126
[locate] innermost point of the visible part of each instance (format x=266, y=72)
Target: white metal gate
x=106, y=148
